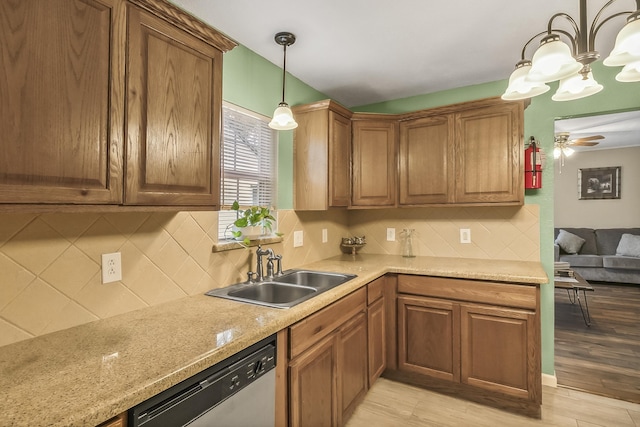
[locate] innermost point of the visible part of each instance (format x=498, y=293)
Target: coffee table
x=574, y=285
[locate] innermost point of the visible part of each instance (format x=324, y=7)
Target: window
x=248, y=163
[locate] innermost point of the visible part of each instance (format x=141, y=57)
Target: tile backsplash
x=50, y=276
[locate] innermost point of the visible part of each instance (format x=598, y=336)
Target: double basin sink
x=284, y=291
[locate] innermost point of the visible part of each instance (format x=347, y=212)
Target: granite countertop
x=85, y=375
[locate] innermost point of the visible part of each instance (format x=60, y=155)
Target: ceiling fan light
x=568, y=151
x=557, y=151
x=576, y=87
x=283, y=118
x=630, y=73
x=521, y=88
x=627, y=47
x=552, y=61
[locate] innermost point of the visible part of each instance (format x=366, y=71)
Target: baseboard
x=550, y=380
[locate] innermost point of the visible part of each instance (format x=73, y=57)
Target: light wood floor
x=604, y=358
x=393, y=404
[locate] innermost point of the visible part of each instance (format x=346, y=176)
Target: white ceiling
x=619, y=129
x=360, y=52
x=365, y=51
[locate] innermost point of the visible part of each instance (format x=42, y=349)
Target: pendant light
x=571, y=64
x=283, y=117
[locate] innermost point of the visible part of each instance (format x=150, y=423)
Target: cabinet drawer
x=510, y=295
x=374, y=290
x=308, y=331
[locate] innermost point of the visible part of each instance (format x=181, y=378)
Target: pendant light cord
x=284, y=70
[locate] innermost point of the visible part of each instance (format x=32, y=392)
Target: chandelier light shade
x=577, y=86
x=282, y=116
x=571, y=63
x=520, y=87
x=630, y=73
x=552, y=61
x=627, y=47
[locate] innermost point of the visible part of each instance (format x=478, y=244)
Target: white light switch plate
x=325, y=235
x=391, y=234
x=465, y=235
x=298, y=238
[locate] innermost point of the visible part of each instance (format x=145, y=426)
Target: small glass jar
x=407, y=243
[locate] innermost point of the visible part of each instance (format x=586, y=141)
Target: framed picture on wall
x=599, y=183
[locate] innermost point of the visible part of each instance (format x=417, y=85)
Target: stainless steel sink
x=287, y=290
x=315, y=279
x=272, y=293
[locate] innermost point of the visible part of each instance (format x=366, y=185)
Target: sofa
x=606, y=255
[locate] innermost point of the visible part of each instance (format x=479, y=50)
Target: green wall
x=254, y=83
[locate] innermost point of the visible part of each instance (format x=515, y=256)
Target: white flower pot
x=251, y=233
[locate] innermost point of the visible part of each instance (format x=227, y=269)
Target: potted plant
x=252, y=223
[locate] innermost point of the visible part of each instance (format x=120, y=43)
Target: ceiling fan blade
x=579, y=143
x=589, y=138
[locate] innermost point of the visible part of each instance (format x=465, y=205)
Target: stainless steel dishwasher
x=238, y=392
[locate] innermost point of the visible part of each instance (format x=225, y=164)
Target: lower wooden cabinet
x=312, y=385
x=497, y=347
x=352, y=372
x=328, y=370
x=117, y=421
x=483, y=336
x=376, y=329
x=429, y=337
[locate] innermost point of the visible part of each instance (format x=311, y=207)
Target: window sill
x=230, y=245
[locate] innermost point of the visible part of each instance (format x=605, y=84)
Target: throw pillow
x=629, y=245
x=569, y=242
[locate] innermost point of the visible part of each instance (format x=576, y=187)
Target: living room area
x=597, y=240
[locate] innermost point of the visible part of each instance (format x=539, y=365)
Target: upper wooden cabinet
x=426, y=168
x=374, y=166
x=463, y=154
x=489, y=146
x=322, y=156
x=64, y=99
x=61, y=101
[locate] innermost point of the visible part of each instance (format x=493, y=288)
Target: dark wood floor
x=604, y=358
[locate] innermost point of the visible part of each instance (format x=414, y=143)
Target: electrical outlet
x=325, y=235
x=298, y=238
x=465, y=235
x=391, y=234
x=111, y=267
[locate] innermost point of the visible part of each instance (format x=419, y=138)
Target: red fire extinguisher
x=532, y=165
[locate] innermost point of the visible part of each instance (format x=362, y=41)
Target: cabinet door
x=374, y=163
x=339, y=160
x=499, y=351
x=426, y=161
x=489, y=146
x=352, y=374
x=61, y=101
x=377, y=340
x=312, y=387
x=173, y=115
x=429, y=337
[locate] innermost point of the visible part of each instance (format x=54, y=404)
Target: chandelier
x=571, y=65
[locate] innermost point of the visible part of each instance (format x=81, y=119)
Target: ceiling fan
x=562, y=144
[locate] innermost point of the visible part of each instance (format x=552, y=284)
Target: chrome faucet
x=271, y=256
x=259, y=253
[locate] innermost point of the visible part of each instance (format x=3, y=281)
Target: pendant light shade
x=520, y=87
x=627, y=47
x=552, y=61
x=630, y=73
x=576, y=87
x=282, y=116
